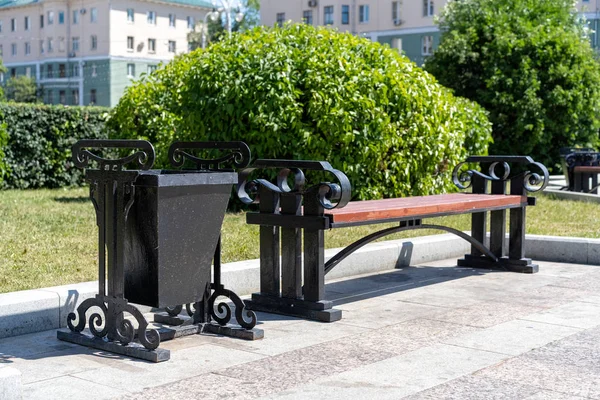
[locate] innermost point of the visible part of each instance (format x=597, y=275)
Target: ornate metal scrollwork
x=326, y=192
x=582, y=158
x=533, y=181
x=222, y=311
x=111, y=322
x=239, y=154
x=144, y=158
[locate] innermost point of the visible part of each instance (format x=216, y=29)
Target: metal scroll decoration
x=144, y=157
x=534, y=179
x=582, y=158
x=111, y=322
x=327, y=192
x=239, y=154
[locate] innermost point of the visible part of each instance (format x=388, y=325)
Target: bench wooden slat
x=420, y=207
x=584, y=168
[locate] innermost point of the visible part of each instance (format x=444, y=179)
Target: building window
x=50, y=17
x=93, y=99
x=428, y=8
x=396, y=12
x=151, y=45
x=13, y=49
x=62, y=71
x=75, y=45
x=13, y=25
x=62, y=97
x=41, y=47
x=94, y=71
x=50, y=47
x=41, y=21
x=172, y=46
x=152, y=17
x=75, y=70
x=75, y=17
x=345, y=15
x=130, y=15
x=328, y=17
x=1, y=77
x=131, y=70
x=93, y=42
x=61, y=17
x=151, y=68
x=50, y=71
x=427, y=45
x=27, y=48
x=13, y=72
x=75, y=97
x=1, y=28
x=28, y=72
x=307, y=17
x=27, y=23
x=191, y=22
x=49, y=96
x=93, y=14
x=172, y=20
x=61, y=44
x=363, y=14
x=1, y=50
x=129, y=43
x=280, y=19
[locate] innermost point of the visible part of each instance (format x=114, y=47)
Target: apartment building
x=407, y=25
x=87, y=51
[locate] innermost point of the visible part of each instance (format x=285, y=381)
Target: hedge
x=37, y=152
x=302, y=92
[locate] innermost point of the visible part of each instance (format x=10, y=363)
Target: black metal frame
x=577, y=181
x=282, y=219
x=112, y=192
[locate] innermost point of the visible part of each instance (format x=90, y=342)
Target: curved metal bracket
x=239, y=154
x=335, y=260
x=144, y=158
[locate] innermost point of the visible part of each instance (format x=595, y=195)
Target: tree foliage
x=301, y=92
x=530, y=64
x=22, y=89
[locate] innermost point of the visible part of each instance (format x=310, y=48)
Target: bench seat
x=389, y=210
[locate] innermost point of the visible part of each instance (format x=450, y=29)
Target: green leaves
x=36, y=141
x=307, y=93
x=529, y=63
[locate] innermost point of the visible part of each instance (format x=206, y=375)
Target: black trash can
x=171, y=235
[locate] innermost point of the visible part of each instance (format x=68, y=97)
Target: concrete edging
x=44, y=309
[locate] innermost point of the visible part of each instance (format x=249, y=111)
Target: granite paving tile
x=549, y=395
x=575, y=314
x=485, y=314
x=76, y=389
x=476, y=388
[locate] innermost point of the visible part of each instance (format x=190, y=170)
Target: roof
x=16, y=3
x=196, y=3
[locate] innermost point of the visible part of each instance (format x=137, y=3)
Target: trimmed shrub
x=301, y=92
x=530, y=63
x=38, y=149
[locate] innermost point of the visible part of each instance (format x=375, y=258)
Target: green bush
x=301, y=92
x=38, y=149
x=530, y=63
x=3, y=141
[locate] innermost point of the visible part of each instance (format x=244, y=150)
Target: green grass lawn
x=49, y=237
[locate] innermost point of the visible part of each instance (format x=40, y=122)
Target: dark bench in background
x=581, y=167
x=288, y=214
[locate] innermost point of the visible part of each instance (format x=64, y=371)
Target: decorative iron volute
x=535, y=178
x=582, y=158
x=330, y=195
x=144, y=157
x=238, y=155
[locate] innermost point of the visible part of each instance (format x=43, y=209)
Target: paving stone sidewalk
x=433, y=331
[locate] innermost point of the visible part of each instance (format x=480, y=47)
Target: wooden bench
x=292, y=279
x=581, y=168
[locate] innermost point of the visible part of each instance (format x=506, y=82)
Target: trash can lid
x=164, y=178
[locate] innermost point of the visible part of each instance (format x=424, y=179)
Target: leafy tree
x=22, y=89
x=216, y=30
x=301, y=92
x=530, y=64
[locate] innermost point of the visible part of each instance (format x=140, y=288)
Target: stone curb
x=10, y=383
x=44, y=309
x=566, y=195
